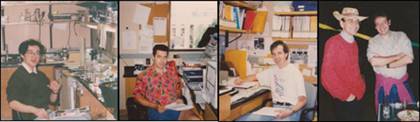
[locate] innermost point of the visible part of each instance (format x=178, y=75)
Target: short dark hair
x=23, y=47
x=381, y=14
x=277, y=43
x=160, y=47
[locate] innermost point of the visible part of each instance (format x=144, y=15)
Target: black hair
x=23, y=47
x=277, y=43
x=381, y=14
x=160, y=47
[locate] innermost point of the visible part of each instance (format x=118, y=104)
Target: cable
x=236, y=38
x=68, y=37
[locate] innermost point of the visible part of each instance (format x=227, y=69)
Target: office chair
x=135, y=110
x=311, y=105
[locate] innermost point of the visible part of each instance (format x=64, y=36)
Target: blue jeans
x=253, y=117
x=166, y=115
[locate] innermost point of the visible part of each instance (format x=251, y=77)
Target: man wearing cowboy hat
x=340, y=73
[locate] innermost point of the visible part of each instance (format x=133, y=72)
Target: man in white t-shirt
x=286, y=84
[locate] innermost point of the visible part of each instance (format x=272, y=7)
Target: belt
x=283, y=103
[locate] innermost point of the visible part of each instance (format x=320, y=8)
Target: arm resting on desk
x=20, y=107
x=248, y=78
x=146, y=102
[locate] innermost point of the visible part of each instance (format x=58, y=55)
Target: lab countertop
x=111, y=91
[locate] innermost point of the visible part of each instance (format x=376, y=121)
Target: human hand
x=54, y=86
x=41, y=113
x=284, y=113
x=238, y=81
x=179, y=87
x=161, y=108
x=350, y=98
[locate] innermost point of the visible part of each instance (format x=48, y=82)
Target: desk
x=231, y=112
x=98, y=109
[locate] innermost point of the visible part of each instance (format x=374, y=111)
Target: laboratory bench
x=103, y=104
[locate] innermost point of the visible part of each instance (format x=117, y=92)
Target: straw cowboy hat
x=348, y=12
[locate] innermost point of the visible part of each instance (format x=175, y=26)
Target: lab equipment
x=70, y=114
x=70, y=93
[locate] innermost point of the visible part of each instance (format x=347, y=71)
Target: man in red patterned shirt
x=340, y=73
x=158, y=86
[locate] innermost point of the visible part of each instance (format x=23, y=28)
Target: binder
x=259, y=22
x=249, y=19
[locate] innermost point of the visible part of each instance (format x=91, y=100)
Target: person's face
x=382, y=25
x=31, y=56
x=350, y=25
x=160, y=59
x=279, y=56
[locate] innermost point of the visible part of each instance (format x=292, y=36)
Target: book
x=249, y=19
x=259, y=22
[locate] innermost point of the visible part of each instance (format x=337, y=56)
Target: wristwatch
x=293, y=111
x=387, y=65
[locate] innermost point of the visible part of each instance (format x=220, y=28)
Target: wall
x=15, y=34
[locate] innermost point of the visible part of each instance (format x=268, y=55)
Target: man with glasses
x=286, y=84
x=29, y=91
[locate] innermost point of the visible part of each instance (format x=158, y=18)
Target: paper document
x=159, y=26
x=129, y=40
x=180, y=107
x=141, y=15
x=268, y=111
x=246, y=84
x=146, y=40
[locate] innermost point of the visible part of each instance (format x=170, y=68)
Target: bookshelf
x=240, y=4
x=297, y=13
x=295, y=39
x=290, y=38
x=227, y=29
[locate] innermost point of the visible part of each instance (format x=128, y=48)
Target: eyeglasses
x=33, y=53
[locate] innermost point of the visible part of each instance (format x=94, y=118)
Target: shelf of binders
x=234, y=30
x=295, y=26
x=297, y=13
x=310, y=40
x=240, y=4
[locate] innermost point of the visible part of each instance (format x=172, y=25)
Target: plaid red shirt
x=158, y=88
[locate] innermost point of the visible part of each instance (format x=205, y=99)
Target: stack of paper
x=247, y=84
x=178, y=107
x=268, y=111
